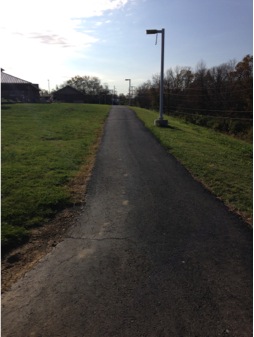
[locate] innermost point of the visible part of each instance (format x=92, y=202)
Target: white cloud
x=41, y=38
x=53, y=22
x=28, y=16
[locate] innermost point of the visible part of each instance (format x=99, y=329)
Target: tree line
x=219, y=97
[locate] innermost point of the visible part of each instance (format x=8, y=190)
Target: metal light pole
x=128, y=79
x=133, y=91
x=160, y=121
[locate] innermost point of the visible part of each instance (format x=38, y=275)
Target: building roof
x=69, y=91
x=6, y=78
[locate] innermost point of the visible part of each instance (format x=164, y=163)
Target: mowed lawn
x=222, y=163
x=44, y=147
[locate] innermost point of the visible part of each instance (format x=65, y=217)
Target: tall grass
x=43, y=147
x=222, y=163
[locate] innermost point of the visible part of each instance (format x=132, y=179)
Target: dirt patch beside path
x=42, y=240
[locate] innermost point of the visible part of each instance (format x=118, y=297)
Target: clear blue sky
x=51, y=41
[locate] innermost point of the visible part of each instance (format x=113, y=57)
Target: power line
x=208, y=93
x=210, y=88
x=200, y=109
x=211, y=110
x=216, y=117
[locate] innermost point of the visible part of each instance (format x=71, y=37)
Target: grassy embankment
x=44, y=147
x=222, y=163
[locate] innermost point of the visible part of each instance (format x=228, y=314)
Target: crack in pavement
x=101, y=239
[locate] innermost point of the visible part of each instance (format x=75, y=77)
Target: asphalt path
x=153, y=254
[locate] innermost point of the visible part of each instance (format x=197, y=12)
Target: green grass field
x=222, y=163
x=43, y=149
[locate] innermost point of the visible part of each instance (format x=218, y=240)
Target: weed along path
x=152, y=254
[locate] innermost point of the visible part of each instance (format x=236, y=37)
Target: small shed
x=18, y=90
x=68, y=94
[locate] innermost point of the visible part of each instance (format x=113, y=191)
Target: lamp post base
x=161, y=122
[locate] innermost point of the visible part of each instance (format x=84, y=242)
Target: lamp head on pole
x=152, y=31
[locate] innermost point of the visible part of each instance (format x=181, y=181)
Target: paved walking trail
x=152, y=255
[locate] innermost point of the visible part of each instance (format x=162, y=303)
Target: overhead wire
x=210, y=116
